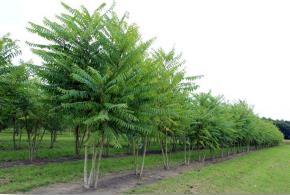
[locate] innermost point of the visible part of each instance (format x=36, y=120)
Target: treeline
x=283, y=125
x=99, y=78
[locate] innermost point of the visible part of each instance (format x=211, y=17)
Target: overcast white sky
x=241, y=47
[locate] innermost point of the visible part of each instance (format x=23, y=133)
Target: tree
x=8, y=50
x=89, y=67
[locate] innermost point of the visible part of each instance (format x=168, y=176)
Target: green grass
x=265, y=171
x=64, y=147
x=24, y=178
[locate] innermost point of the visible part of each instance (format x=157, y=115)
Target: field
x=249, y=173
x=266, y=171
x=17, y=174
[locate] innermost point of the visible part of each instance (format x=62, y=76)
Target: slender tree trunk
x=41, y=138
x=20, y=136
x=14, y=134
x=163, y=155
x=34, y=143
x=136, y=157
x=55, y=136
x=189, y=152
x=174, y=144
x=166, y=151
x=185, y=159
x=143, y=158
x=198, y=153
x=86, y=184
x=99, y=162
x=51, y=139
x=107, y=150
x=93, y=168
x=133, y=153
x=28, y=139
x=204, y=155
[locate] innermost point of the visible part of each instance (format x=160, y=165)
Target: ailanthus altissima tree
x=90, y=65
x=109, y=84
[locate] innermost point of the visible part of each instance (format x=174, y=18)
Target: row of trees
x=101, y=79
x=24, y=105
x=283, y=125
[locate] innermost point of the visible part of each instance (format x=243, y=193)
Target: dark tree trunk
x=52, y=138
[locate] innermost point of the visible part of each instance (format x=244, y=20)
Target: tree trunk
x=52, y=138
x=189, y=152
x=99, y=163
x=166, y=152
x=163, y=155
x=14, y=133
x=20, y=136
x=93, y=168
x=143, y=158
x=185, y=159
x=55, y=136
x=77, y=141
x=136, y=156
x=107, y=150
x=174, y=144
x=204, y=156
x=198, y=153
x=86, y=184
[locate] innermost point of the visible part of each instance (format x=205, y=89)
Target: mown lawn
x=265, y=171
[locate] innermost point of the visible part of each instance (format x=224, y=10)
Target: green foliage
x=100, y=78
x=219, y=124
x=8, y=50
x=284, y=126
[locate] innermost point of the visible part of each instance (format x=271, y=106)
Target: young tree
x=89, y=66
x=11, y=78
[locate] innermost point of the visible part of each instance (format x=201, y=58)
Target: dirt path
x=118, y=183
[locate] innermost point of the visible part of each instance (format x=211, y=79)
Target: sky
x=242, y=48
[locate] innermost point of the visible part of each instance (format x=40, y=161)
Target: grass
x=265, y=171
x=25, y=178
x=64, y=147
